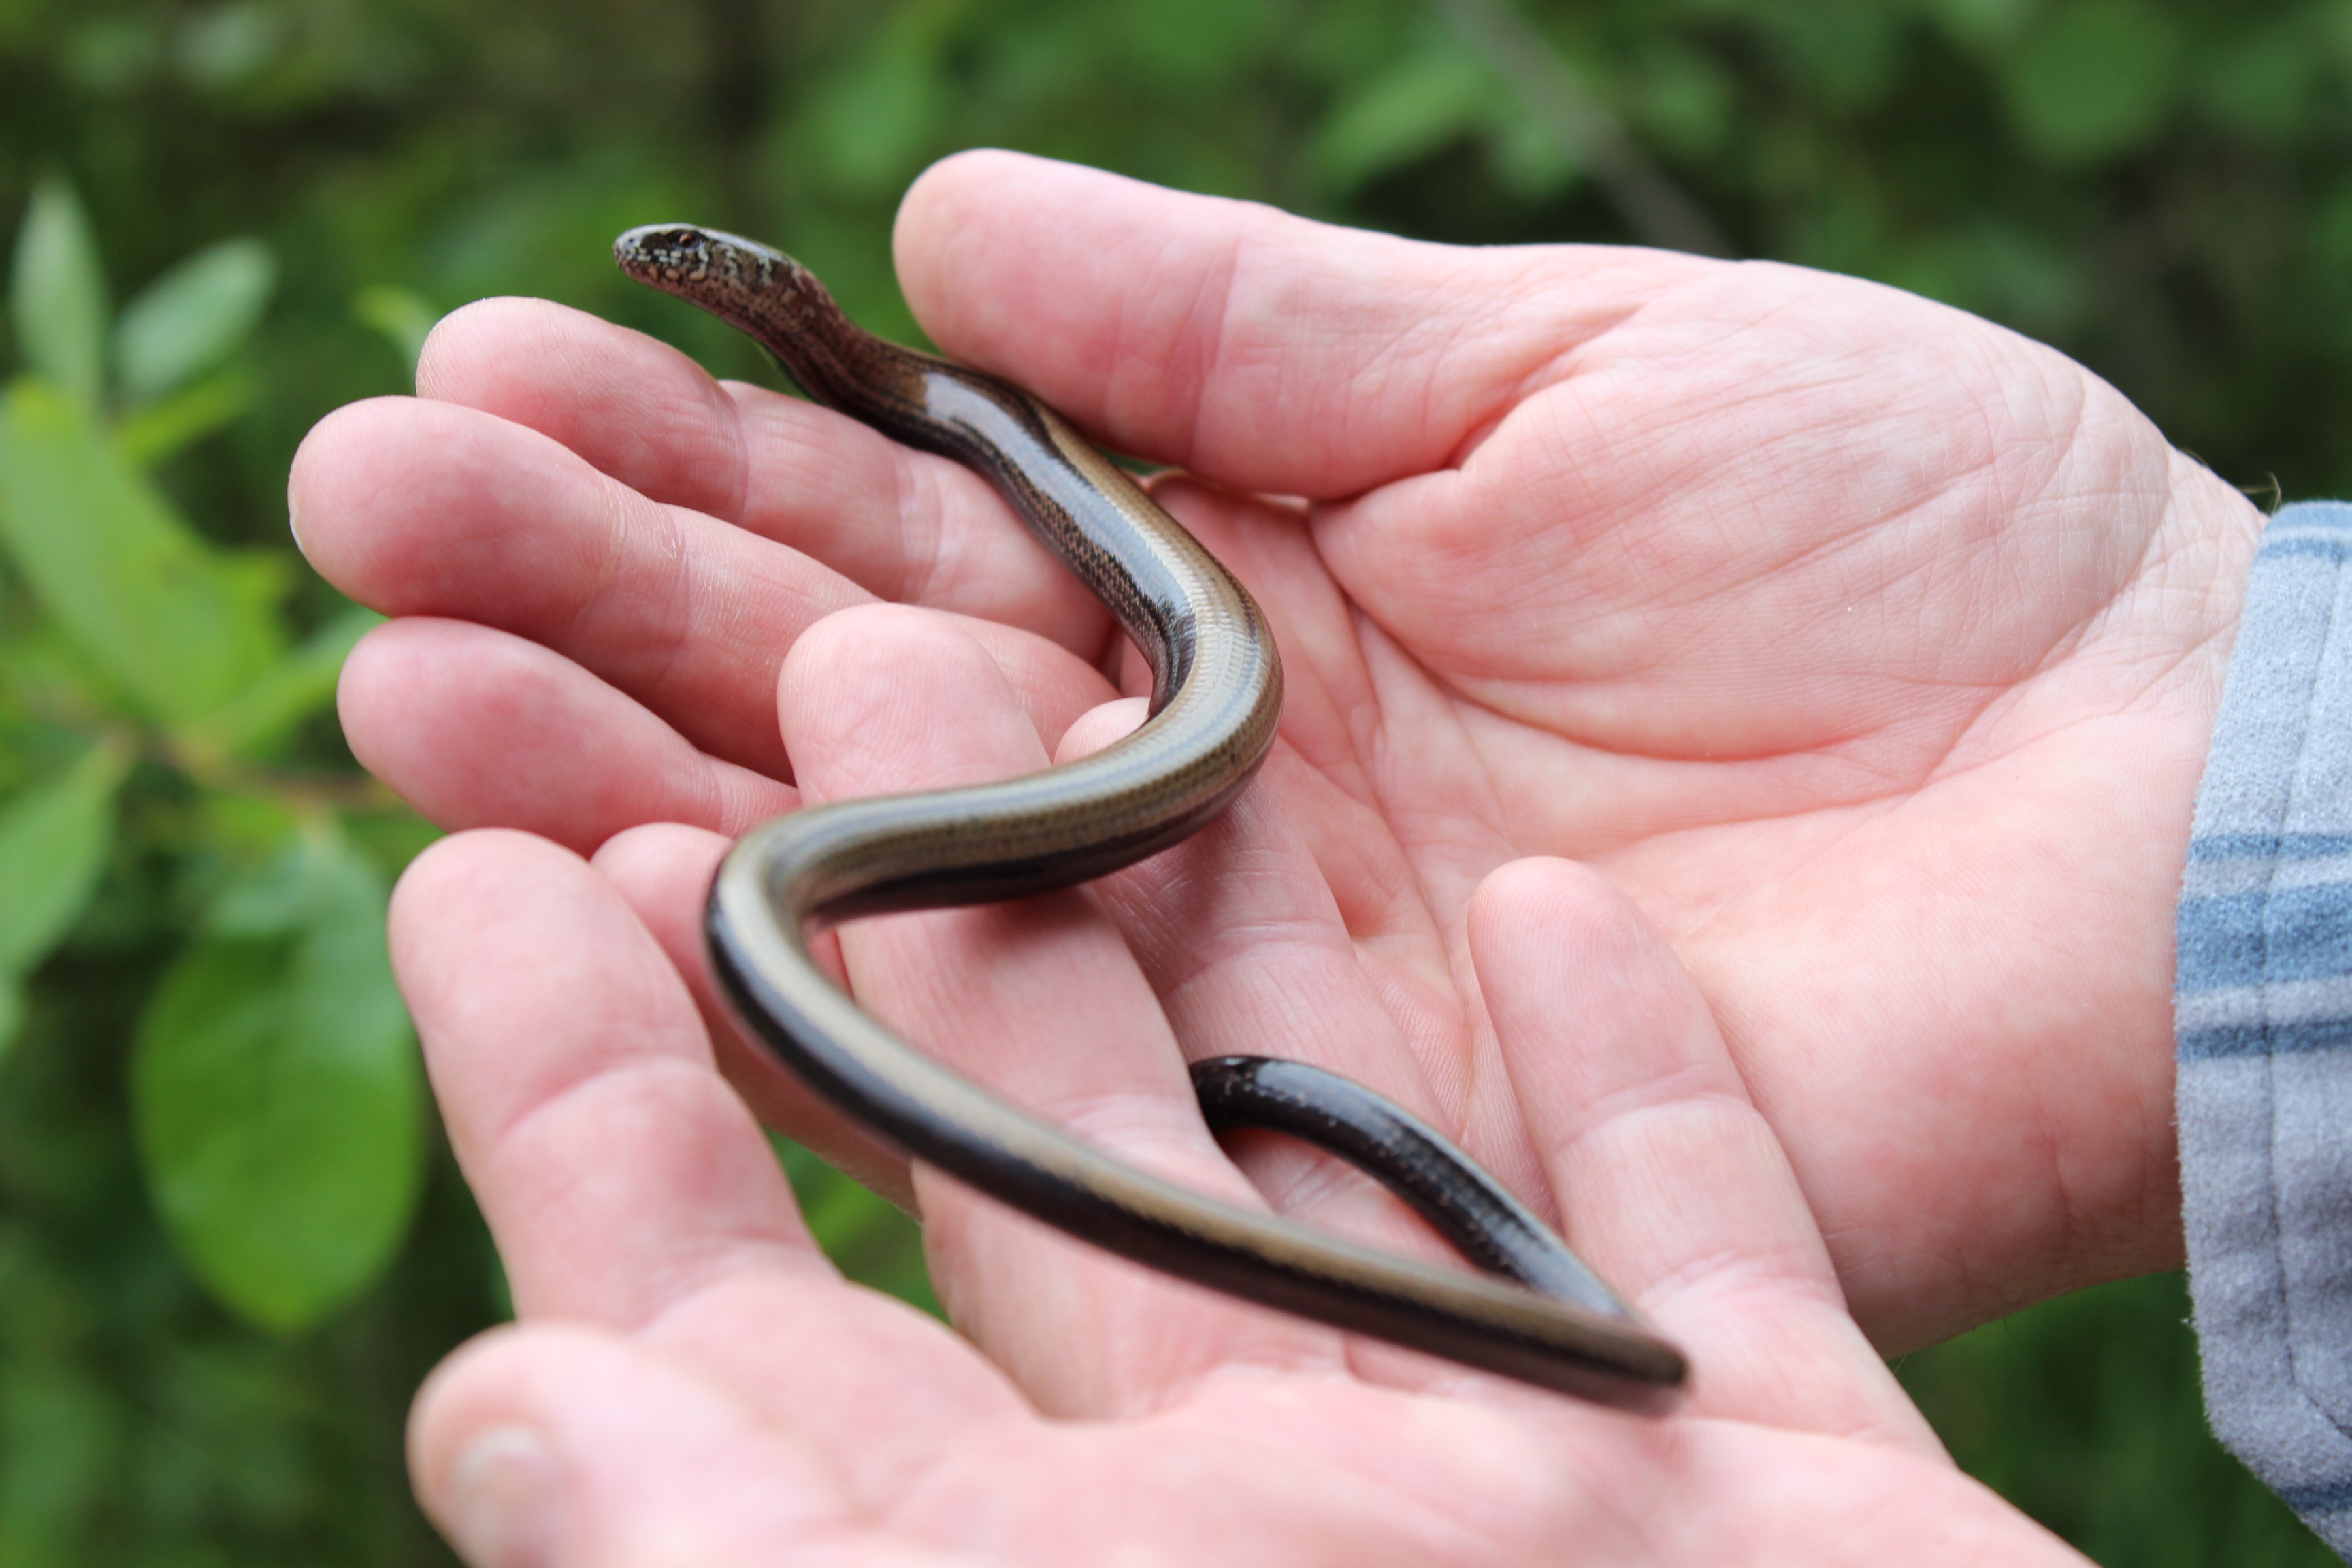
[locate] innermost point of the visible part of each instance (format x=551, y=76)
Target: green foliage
x=53, y=843
x=192, y=317
x=873, y=1242
x=2084, y=1413
x=1418, y=107
x=289, y=192
x=275, y=1086
x=402, y=315
x=178, y=627
x=57, y=295
x=2094, y=81
x=274, y=1083
x=277, y=1093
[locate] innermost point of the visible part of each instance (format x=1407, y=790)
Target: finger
x=1038, y=1001
x=591, y=1453
x=615, y=1169
x=559, y=1447
x=626, y=1184
x=903, y=525
x=1673, y=1185
x=635, y=409
x=479, y=727
x=520, y=1446
x=665, y=872
x=417, y=508
x=1259, y=350
x=423, y=508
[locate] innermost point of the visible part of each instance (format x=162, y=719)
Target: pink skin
x=691, y=1383
x=1864, y=653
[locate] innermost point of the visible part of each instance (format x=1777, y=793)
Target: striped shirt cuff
x=2264, y=1019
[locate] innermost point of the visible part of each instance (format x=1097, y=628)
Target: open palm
x=691, y=1383
x=1870, y=648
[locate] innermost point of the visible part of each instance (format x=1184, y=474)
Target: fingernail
x=506, y=1499
x=294, y=527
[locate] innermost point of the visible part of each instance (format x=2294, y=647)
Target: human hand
x=691, y=1383
x=1870, y=649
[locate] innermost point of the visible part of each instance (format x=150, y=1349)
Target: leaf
x=179, y=626
x=62, y=1434
x=1849, y=52
x=56, y=294
x=867, y=1238
x=1981, y=25
x=53, y=844
x=876, y=122
x=54, y=840
x=149, y=435
x=1417, y=108
x=876, y=117
x=1193, y=43
x=1686, y=101
x=277, y=1098
x=402, y=316
x=1525, y=154
x=2096, y=81
x=288, y=692
x=2263, y=85
x=192, y=317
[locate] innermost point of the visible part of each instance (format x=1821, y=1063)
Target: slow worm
x=1216, y=694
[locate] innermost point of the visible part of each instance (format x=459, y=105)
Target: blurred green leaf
x=224, y=47
x=277, y=1093
x=402, y=316
x=59, y=1432
x=870, y=1239
x=53, y=844
x=151, y=433
x=193, y=317
x=1685, y=102
x=288, y=692
x=874, y=123
x=1525, y=154
x=1190, y=42
x=1434, y=97
x=179, y=627
x=1848, y=52
x=106, y=55
x=2095, y=79
x=1982, y=24
x=56, y=294
x=2084, y=1413
x=2263, y=86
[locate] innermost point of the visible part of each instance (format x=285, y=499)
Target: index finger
x=901, y=524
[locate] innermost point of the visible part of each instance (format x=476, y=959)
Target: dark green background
x=2160, y=190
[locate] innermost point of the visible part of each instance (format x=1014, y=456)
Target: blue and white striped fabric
x=2263, y=1014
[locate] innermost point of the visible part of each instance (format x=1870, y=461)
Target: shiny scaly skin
x=1216, y=696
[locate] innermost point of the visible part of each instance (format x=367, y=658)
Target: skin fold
x=1741, y=733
